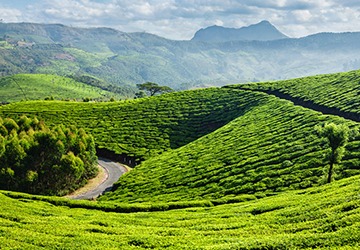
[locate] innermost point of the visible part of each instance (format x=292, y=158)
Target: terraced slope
x=40, y=86
x=144, y=127
x=270, y=148
x=338, y=91
x=326, y=217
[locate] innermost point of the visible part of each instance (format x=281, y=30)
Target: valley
x=126, y=59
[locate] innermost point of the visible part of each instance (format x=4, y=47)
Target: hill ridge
x=309, y=104
x=262, y=31
x=128, y=59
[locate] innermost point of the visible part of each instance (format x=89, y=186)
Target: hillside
x=217, y=151
x=143, y=127
x=337, y=91
x=222, y=168
x=126, y=59
x=263, y=31
x=40, y=86
x=270, y=148
x=326, y=217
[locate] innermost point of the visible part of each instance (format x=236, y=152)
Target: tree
x=153, y=88
x=41, y=160
x=140, y=94
x=337, y=137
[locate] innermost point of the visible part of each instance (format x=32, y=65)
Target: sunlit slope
x=340, y=91
x=40, y=86
x=271, y=148
x=147, y=126
x=326, y=217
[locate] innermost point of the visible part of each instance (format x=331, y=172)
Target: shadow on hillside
x=314, y=106
x=199, y=124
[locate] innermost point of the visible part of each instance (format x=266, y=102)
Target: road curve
x=113, y=171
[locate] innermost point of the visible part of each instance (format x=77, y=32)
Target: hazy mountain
x=126, y=59
x=263, y=31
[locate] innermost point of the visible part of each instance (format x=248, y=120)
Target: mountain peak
x=264, y=22
x=262, y=31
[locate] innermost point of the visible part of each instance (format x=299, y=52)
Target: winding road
x=113, y=172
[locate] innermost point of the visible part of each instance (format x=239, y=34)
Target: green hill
x=326, y=217
x=147, y=126
x=231, y=156
x=338, y=91
x=270, y=148
x=40, y=86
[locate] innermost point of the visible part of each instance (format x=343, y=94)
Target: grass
x=224, y=169
x=338, y=91
x=326, y=217
x=147, y=126
x=40, y=86
x=271, y=148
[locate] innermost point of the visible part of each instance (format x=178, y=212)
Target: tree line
x=39, y=160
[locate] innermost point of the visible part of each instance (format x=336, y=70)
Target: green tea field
x=326, y=217
x=146, y=126
x=40, y=86
x=237, y=167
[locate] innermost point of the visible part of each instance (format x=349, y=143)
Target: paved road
x=113, y=170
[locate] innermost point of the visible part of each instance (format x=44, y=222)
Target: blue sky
x=180, y=19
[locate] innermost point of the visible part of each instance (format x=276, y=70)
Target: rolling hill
x=126, y=59
x=143, y=127
x=23, y=87
x=222, y=168
x=336, y=91
x=221, y=142
x=270, y=148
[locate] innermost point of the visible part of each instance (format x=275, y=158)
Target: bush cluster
x=40, y=160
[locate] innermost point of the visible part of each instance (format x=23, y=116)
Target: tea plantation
x=339, y=91
x=220, y=168
x=40, y=86
x=271, y=148
x=147, y=126
x=325, y=217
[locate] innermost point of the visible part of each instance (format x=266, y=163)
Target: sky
x=180, y=19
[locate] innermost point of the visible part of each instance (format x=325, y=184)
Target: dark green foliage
x=38, y=160
x=140, y=94
x=337, y=137
x=153, y=88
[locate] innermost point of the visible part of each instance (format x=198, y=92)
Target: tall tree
x=40, y=160
x=336, y=137
x=153, y=88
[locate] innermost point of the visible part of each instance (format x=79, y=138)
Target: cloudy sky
x=180, y=19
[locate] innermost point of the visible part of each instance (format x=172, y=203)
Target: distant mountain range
x=215, y=56
x=263, y=31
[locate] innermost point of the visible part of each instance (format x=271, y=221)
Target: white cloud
x=10, y=15
x=180, y=19
x=302, y=15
